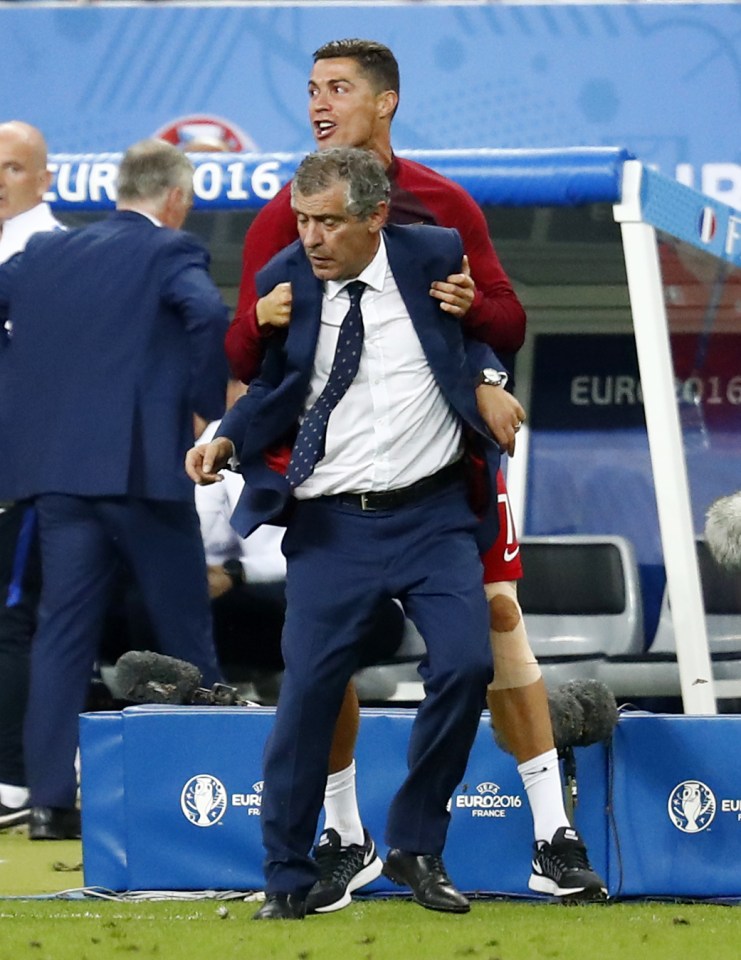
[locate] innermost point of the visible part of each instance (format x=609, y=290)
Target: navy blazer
x=117, y=339
x=267, y=415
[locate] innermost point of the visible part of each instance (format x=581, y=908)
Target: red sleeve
x=272, y=229
x=496, y=316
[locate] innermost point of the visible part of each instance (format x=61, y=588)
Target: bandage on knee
x=515, y=664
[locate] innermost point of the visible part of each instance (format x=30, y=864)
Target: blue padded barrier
x=677, y=807
x=102, y=747
x=662, y=818
x=171, y=800
x=227, y=181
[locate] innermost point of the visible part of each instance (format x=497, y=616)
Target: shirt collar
x=36, y=219
x=373, y=275
x=17, y=230
x=141, y=213
x=154, y=220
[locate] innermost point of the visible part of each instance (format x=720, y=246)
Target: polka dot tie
x=308, y=449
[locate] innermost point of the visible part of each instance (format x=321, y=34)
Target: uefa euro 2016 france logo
x=692, y=806
x=203, y=800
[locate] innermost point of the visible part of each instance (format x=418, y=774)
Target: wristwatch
x=492, y=377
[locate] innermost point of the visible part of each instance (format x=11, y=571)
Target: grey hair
x=723, y=531
x=366, y=183
x=152, y=167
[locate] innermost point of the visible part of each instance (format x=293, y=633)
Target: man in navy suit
x=24, y=179
x=117, y=333
x=376, y=506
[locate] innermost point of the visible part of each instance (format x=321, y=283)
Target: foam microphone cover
x=723, y=531
x=598, y=708
x=147, y=677
x=567, y=717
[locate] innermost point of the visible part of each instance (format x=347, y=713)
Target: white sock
x=341, y=806
x=13, y=797
x=541, y=778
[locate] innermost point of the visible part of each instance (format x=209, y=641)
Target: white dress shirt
x=393, y=426
x=17, y=231
x=260, y=553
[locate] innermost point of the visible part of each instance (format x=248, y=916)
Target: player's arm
x=272, y=229
x=496, y=315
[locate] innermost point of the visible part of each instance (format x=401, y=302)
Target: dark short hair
x=152, y=167
x=360, y=170
x=377, y=62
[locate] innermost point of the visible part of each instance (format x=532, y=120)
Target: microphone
x=567, y=717
x=723, y=531
x=146, y=677
x=599, y=714
x=598, y=707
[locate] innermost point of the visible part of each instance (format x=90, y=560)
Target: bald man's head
x=24, y=178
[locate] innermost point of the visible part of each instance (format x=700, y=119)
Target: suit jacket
x=117, y=340
x=263, y=423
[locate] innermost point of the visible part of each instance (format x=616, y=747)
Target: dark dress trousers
x=117, y=339
x=342, y=562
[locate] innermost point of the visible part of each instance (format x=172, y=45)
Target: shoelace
x=338, y=863
x=436, y=866
x=566, y=857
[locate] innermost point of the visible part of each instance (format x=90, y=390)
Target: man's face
x=344, y=110
x=23, y=175
x=338, y=245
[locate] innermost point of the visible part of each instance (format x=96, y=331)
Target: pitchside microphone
x=146, y=677
x=599, y=713
x=723, y=532
x=567, y=717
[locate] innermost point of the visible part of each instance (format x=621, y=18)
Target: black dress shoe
x=54, y=823
x=282, y=906
x=430, y=883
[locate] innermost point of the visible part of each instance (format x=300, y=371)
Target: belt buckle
x=365, y=503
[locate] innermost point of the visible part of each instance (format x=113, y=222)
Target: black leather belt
x=402, y=496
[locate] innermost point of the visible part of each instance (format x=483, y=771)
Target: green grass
x=367, y=930
x=90, y=929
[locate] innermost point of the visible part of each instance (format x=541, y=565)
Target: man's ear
x=174, y=208
x=377, y=219
x=44, y=182
x=387, y=102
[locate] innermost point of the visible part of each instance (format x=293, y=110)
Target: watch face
x=492, y=377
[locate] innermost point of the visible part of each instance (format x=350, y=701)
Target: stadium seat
x=656, y=673
x=582, y=603
x=395, y=679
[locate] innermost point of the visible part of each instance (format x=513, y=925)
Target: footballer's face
x=345, y=110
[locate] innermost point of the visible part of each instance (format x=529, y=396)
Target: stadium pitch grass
x=393, y=929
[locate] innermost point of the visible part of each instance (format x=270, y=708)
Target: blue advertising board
x=171, y=800
x=663, y=80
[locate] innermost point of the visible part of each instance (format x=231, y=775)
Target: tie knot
x=355, y=291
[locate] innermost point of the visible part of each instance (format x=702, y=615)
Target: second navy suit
x=117, y=333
